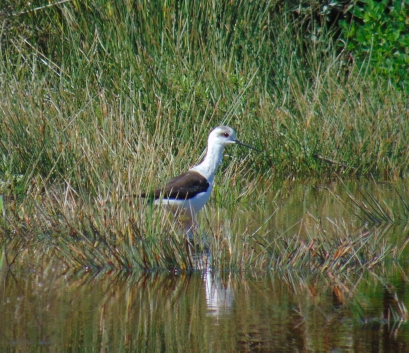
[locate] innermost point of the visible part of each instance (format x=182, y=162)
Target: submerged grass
x=341, y=306
x=128, y=234
x=380, y=204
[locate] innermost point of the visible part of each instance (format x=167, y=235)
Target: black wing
x=183, y=187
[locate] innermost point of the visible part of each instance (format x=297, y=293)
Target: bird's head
x=225, y=135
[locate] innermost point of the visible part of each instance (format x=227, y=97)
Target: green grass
x=100, y=101
x=106, y=85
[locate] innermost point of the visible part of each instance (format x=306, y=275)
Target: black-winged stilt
x=189, y=191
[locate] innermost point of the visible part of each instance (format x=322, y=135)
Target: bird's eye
x=226, y=134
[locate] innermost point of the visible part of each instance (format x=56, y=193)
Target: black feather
x=183, y=187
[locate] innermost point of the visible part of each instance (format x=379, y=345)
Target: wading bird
x=188, y=192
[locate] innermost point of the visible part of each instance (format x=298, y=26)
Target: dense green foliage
x=379, y=33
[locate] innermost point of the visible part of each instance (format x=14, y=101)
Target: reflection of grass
x=152, y=309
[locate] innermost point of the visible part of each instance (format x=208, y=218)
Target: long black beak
x=248, y=146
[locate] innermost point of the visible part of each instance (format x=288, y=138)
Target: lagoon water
x=46, y=307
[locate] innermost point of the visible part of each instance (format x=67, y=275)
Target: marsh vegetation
x=102, y=100
x=302, y=247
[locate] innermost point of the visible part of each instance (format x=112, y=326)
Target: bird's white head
x=222, y=135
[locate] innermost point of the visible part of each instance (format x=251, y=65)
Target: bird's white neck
x=211, y=161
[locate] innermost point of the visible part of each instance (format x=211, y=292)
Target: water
x=46, y=307
x=199, y=312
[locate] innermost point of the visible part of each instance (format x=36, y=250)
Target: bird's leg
x=185, y=218
x=188, y=223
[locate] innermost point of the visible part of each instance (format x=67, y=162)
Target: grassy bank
x=92, y=88
x=101, y=100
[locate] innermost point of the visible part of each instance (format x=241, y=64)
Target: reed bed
x=103, y=100
x=85, y=97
